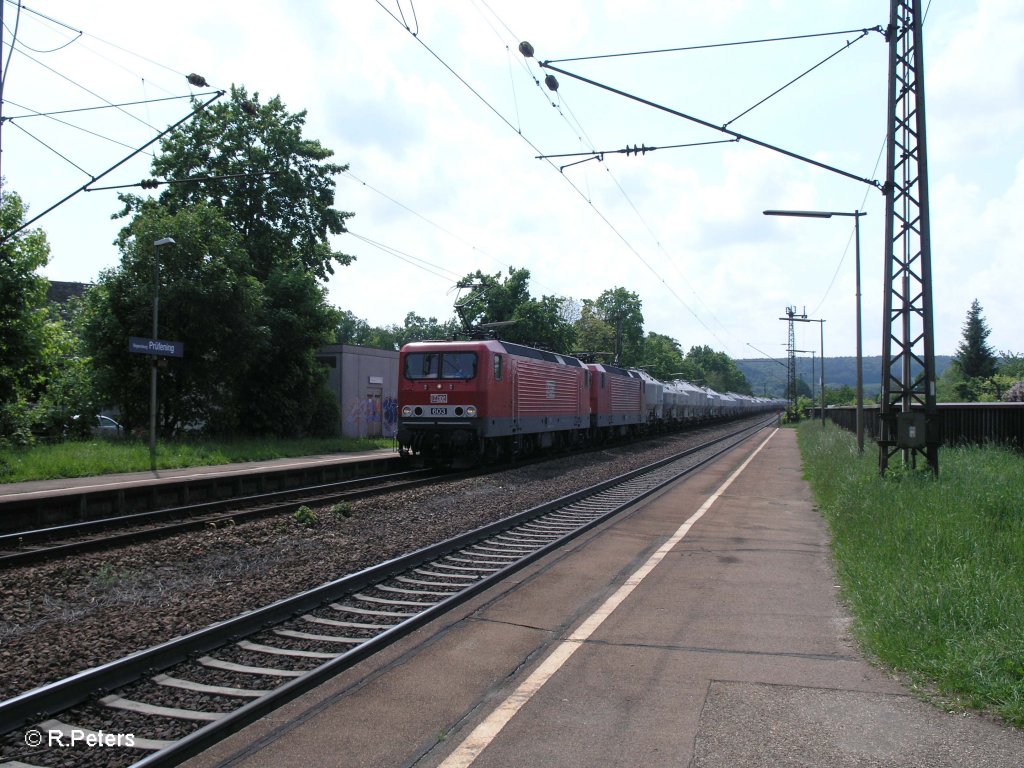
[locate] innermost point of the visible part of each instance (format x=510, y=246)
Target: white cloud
x=411, y=130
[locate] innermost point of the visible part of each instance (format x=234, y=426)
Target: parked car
x=107, y=427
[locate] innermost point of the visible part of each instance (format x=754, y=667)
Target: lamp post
x=821, y=326
x=152, y=375
x=860, y=354
x=821, y=329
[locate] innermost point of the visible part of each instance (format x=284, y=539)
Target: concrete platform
x=10, y=492
x=725, y=648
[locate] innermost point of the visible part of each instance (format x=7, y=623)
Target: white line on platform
x=466, y=753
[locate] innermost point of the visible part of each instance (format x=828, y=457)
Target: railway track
x=41, y=544
x=178, y=698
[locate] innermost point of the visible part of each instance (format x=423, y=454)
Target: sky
x=441, y=120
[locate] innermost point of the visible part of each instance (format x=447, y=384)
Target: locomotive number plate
x=435, y=411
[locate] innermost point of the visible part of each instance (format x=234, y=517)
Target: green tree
x=525, y=320
x=622, y=311
x=264, y=197
x=841, y=395
x=23, y=318
x=202, y=276
x=543, y=324
x=1011, y=365
x=274, y=186
x=69, y=402
x=974, y=356
x=490, y=299
x=663, y=357
x=952, y=387
x=417, y=328
x=1011, y=369
x=719, y=371
x=595, y=339
x=352, y=329
x=285, y=390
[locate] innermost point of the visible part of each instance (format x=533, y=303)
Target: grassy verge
x=931, y=568
x=104, y=456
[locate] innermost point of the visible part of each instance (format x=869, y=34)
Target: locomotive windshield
x=440, y=365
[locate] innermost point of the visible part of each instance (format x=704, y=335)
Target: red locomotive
x=489, y=399
x=460, y=402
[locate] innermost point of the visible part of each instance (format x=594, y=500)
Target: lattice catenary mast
x=791, y=359
x=908, y=414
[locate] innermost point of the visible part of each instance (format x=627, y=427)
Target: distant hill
x=768, y=377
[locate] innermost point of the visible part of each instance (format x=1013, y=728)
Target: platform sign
x=142, y=346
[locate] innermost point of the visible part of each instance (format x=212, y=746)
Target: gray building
x=365, y=381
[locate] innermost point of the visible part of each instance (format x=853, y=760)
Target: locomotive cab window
x=497, y=367
x=422, y=365
x=438, y=365
x=458, y=365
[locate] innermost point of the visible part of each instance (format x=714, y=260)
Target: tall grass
x=931, y=568
x=104, y=456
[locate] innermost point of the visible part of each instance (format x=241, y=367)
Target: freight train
x=462, y=402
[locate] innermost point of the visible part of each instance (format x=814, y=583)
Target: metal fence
x=959, y=423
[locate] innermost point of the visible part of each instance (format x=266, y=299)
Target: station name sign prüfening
x=142, y=346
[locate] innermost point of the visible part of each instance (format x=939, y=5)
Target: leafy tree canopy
x=44, y=381
x=595, y=339
x=541, y=323
x=202, y=276
x=719, y=370
x=272, y=185
x=622, y=311
x=663, y=357
x=355, y=330
x=250, y=205
x=1011, y=365
x=489, y=299
x=22, y=299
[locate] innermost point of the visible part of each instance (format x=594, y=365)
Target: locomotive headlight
x=406, y=411
x=471, y=410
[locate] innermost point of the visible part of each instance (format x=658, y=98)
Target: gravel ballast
x=62, y=617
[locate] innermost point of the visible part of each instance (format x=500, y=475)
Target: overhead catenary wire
x=707, y=46
x=14, y=38
x=88, y=91
x=642, y=150
x=51, y=113
x=26, y=224
x=136, y=149
x=849, y=240
x=14, y=119
x=864, y=32
x=350, y=175
x=415, y=261
x=797, y=78
x=63, y=157
x=629, y=245
x=763, y=144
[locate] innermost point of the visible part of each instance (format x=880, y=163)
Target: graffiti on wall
x=371, y=416
x=389, y=416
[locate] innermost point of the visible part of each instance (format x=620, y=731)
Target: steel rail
x=198, y=516
x=44, y=702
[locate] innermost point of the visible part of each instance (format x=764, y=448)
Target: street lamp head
x=801, y=214
x=817, y=214
x=164, y=241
